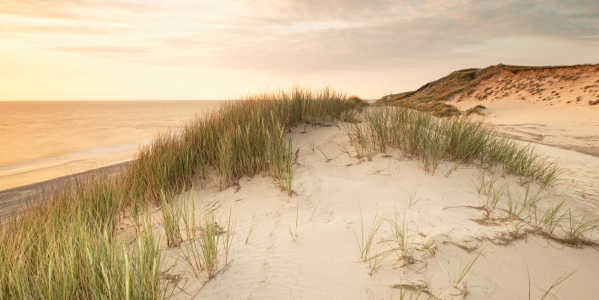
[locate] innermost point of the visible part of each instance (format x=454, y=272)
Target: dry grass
x=533, y=209
x=356, y=102
x=475, y=110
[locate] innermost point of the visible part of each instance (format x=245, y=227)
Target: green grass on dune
x=67, y=247
x=433, y=140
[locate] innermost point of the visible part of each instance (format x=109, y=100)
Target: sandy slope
x=548, y=106
x=559, y=87
x=568, y=128
x=324, y=262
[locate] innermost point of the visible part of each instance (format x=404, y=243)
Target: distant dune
x=554, y=106
x=548, y=86
x=575, y=85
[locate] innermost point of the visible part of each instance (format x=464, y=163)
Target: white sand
x=543, y=106
x=553, y=131
x=324, y=262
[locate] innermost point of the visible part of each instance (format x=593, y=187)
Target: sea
x=41, y=140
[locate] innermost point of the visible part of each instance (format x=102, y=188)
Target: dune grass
x=460, y=140
x=475, y=110
x=366, y=239
x=253, y=226
x=356, y=102
x=209, y=242
x=533, y=208
x=230, y=233
x=68, y=246
x=464, y=269
x=201, y=252
x=69, y=259
x=401, y=235
x=413, y=199
x=315, y=207
x=171, y=218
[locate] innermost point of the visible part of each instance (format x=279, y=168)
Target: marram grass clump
x=356, y=102
x=242, y=138
x=475, y=110
x=68, y=247
x=459, y=140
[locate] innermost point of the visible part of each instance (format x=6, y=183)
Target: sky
x=211, y=50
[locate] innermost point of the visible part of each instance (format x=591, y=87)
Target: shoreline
x=18, y=196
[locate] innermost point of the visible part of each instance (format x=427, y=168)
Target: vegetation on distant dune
x=431, y=96
x=356, y=102
x=475, y=110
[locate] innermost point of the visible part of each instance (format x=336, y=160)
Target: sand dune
x=560, y=87
x=335, y=195
x=548, y=107
x=573, y=128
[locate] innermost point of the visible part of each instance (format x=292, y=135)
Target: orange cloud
x=62, y=9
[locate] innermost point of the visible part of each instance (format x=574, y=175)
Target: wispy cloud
x=99, y=50
x=64, y=9
x=18, y=31
x=297, y=36
x=318, y=35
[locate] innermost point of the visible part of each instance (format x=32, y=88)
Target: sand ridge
x=547, y=107
x=341, y=193
x=566, y=86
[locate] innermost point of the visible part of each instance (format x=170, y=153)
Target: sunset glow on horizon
x=183, y=49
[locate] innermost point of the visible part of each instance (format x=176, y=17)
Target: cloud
x=13, y=30
x=103, y=50
x=63, y=9
x=335, y=35
x=301, y=35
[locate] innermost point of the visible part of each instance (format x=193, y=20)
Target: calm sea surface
x=47, y=139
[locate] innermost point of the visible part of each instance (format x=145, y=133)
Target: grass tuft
x=366, y=239
x=463, y=270
x=253, y=225
x=171, y=217
x=475, y=110
x=432, y=140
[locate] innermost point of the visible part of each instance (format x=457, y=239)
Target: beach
x=385, y=150
x=345, y=211
x=566, y=133
x=17, y=199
